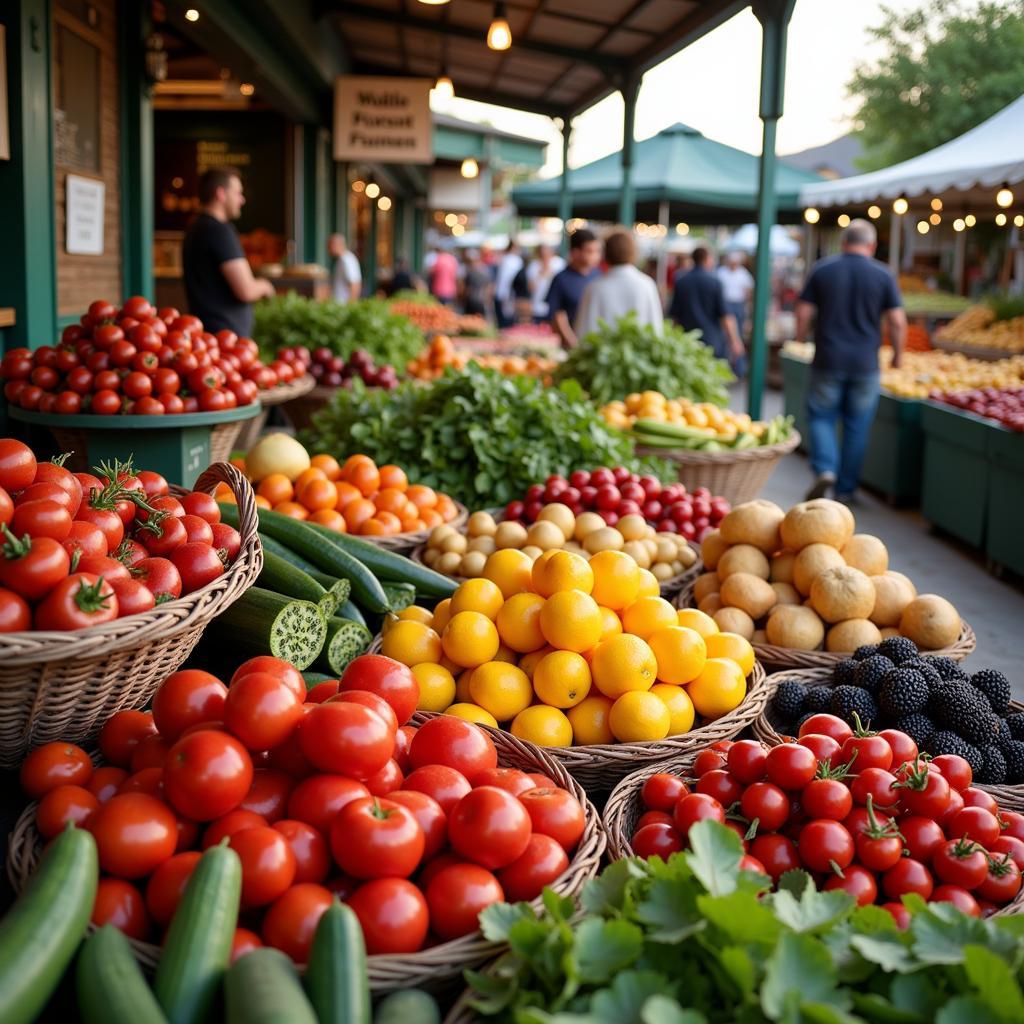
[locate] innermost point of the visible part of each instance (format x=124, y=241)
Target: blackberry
x=842, y=674
x=1016, y=724
x=1013, y=753
x=980, y=728
x=898, y=649
x=1003, y=734
x=996, y=688
x=865, y=651
x=871, y=671
x=788, y=702
x=917, y=726
x=942, y=741
x=994, y=770
x=922, y=665
x=946, y=667
x=847, y=700
x=956, y=701
x=903, y=692
x=817, y=699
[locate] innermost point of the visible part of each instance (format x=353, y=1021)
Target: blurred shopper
x=624, y=289
x=403, y=279
x=219, y=282
x=539, y=275
x=477, y=284
x=568, y=285
x=346, y=274
x=851, y=294
x=698, y=304
x=509, y=266
x=738, y=287
x=444, y=277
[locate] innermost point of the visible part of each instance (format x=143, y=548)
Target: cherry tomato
x=960, y=862
x=790, y=766
x=556, y=813
x=244, y=941
x=149, y=752
x=900, y=915
x=119, y=903
x=979, y=798
x=878, y=784
x=858, y=882
x=428, y=814
x=290, y=922
x=767, y=803
x=268, y=864
x=207, y=774
x=167, y=537
x=64, y=804
x=388, y=679
x=262, y=710
x=185, y=698
x=824, y=748
x=198, y=564
x=160, y=576
x=457, y=894
x=15, y=613
x=394, y=915
x=227, y=541
x=198, y=503
x=746, y=760
x=825, y=845
x=693, y=808
x=879, y=848
x=1010, y=845
x=975, y=823
x=954, y=807
x=230, y=823
x=656, y=840
x=1002, y=881
x=709, y=760
x=41, y=519
x=52, y=765
x=446, y=785
x=826, y=798
x=512, y=779
x=345, y=738
x=85, y=537
x=105, y=782
x=540, y=864
x=1012, y=824
x=908, y=875
x=7, y=507
x=370, y=700
x=450, y=741
x=386, y=781
x=107, y=521
x=17, y=465
x=827, y=725
x=32, y=566
x=377, y=838
x=79, y=601
x=491, y=827
x=318, y=799
x=903, y=748
x=956, y=770
x=153, y=484
x=722, y=785
x=275, y=667
x=958, y=896
x=135, y=833
x=167, y=884
x=268, y=795
x=319, y=693
x=146, y=780
x=197, y=530
x=866, y=751
x=924, y=792
x=312, y=858
x=777, y=853
x=403, y=740
x=122, y=733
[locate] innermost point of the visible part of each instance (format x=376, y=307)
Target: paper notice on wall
x=383, y=119
x=83, y=215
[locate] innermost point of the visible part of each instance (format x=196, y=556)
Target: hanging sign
x=83, y=214
x=383, y=119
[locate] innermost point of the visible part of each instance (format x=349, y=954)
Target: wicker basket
x=736, y=476
x=431, y=968
x=403, y=543
x=65, y=685
x=300, y=410
x=251, y=429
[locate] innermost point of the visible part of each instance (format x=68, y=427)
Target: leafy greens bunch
x=624, y=357
x=475, y=434
x=696, y=940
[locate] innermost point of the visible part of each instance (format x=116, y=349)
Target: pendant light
x=499, y=35
x=444, y=87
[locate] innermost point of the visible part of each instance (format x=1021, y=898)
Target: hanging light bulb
x=1001, y=219
x=384, y=203
x=874, y=212
x=682, y=228
x=372, y=190
x=923, y=227
x=470, y=168
x=451, y=219
x=959, y=224
x=970, y=220
x=935, y=219
x=1018, y=221
x=843, y=220
x=936, y=204
x=811, y=215
x=499, y=34
x=444, y=87
x=900, y=206
x=434, y=3
x=1004, y=197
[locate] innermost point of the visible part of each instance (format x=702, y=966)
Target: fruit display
x=922, y=373
x=426, y=313
x=562, y=651
x=805, y=580
x=333, y=371
x=943, y=708
x=82, y=549
x=141, y=361
x=1004, y=405
x=441, y=354
x=666, y=555
x=616, y=492
x=983, y=327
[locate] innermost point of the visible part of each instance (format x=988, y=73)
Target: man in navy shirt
x=568, y=285
x=851, y=293
x=698, y=304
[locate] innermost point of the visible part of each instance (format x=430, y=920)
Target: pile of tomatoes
x=81, y=549
x=141, y=361
x=322, y=793
x=861, y=811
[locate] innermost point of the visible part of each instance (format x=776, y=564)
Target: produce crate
x=892, y=462
x=796, y=377
x=956, y=471
x=1004, y=542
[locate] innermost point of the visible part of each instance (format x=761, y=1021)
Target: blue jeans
x=852, y=397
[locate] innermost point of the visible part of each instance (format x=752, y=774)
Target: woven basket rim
x=762, y=453
x=285, y=392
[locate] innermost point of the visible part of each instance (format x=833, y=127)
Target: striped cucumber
x=110, y=984
x=351, y=611
x=263, y=987
x=266, y=622
x=400, y=595
x=336, y=977
x=42, y=930
x=345, y=641
x=281, y=576
x=197, y=949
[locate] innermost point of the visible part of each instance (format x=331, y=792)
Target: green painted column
x=564, y=192
x=28, y=267
x=308, y=248
x=627, y=197
x=419, y=224
x=341, y=199
x=400, y=220
x=774, y=16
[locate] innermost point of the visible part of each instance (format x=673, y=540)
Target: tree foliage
x=946, y=66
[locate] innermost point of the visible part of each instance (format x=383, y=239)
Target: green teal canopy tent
x=703, y=182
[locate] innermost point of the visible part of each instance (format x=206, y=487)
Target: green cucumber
x=336, y=977
x=197, y=949
x=407, y=1006
x=110, y=984
x=270, y=623
x=282, y=577
x=400, y=595
x=345, y=640
x=285, y=552
x=351, y=611
x=341, y=588
x=656, y=441
x=42, y=930
x=675, y=430
x=263, y=987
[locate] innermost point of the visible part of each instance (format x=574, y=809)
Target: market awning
x=703, y=182
x=981, y=159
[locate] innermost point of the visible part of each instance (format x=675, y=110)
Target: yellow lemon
x=611, y=624
x=561, y=679
x=472, y=713
x=558, y=570
x=680, y=653
x=646, y=615
x=696, y=620
x=510, y=570
x=518, y=622
x=437, y=686
x=719, y=688
x=589, y=720
x=623, y=663
x=411, y=643
x=547, y=727
x=649, y=585
x=639, y=717
x=680, y=707
x=462, y=694
x=470, y=639
x=732, y=646
x=417, y=614
x=502, y=690
x=442, y=613
x=477, y=595
x=616, y=579
x=571, y=621
x=528, y=662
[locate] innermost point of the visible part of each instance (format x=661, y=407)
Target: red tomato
x=160, y=576
x=150, y=752
x=541, y=864
x=790, y=766
x=154, y=485
x=1012, y=824
x=456, y=896
x=7, y=507
x=709, y=760
x=446, y=785
x=322, y=691
x=377, y=838
x=979, y=798
x=388, y=679
x=185, y=698
x=386, y=781
x=908, y=875
x=492, y=827
x=827, y=725
x=1002, y=881
x=134, y=833
x=232, y=822
x=107, y=521
x=227, y=541
x=274, y=667
x=146, y=780
x=166, y=538
x=655, y=840
x=85, y=537
x=32, y=567
x=662, y=791
x=880, y=847
x=197, y=530
x=900, y=915
x=312, y=858
x=450, y=741
x=975, y=823
x=197, y=503
x=318, y=799
x=15, y=613
x=167, y=884
x=370, y=700
x=346, y=738
x=746, y=760
x=696, y=807
x=960, y=862
x=904, y=749
x=17, y=465
x=261, y=710
x=122, y=733
x=956, y=770
x=877, y=783
x=105, y=782
x=290, y=922
x=119, y=903
x=555, y=812
x=958, y=896
x=866, y=751
x=924, y=792
x=207, y=774
x=777, y=853
x=268, y=864
x=41, y=519
x=52, y=765
x=64, y=804
x=403, y=740
x=858, y=882
x=429, y=816
x=198, y=564
x=722, y=785
x=268, y=794
x=133, y=597
x=652, y=818
x=79, y=601
x=244, y=941
x=826, y=798
x=394, y=916
x=767, y=803
x=48, y=490
x=511, y=779
x=1011, y=845
x=824, y=845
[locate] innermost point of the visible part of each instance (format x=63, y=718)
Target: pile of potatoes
x=804, y=579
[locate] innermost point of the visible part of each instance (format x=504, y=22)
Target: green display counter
x=892, y=462
x=796, y=375
x=1004, y=542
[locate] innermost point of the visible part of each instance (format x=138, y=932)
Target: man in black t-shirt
x=219, y=282
x=698, y=304
x=851, y=294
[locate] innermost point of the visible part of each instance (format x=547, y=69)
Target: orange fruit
x=646, y=615
x=462, y=685
x=346, y=494
x=352, y=462
x=317, y=493
x=388, y=499
x=327, y=464
x=373, y=528
x=393, y=477
x=238, y=461
x=358, y=512
x=421, y=496
x=639, y=717
x=623, y=663
x=501, y=689
x=472, y=713
x=383, y=524
x=589, y=720
x=442, y=613
x=518, y=622
x=616, y=579
x=411, y=643
x=571, y=621
x=414, y=613
x=510, y=569
x=366, y=477
x=611, y=625
x=561, y=679
x=446, y=507
x=719, y=688
x=680, y=707
x=437, y=686
x=477, y=595
x=528, y=662
x=330, y=518
x=547, y=727
x=431, y=518
x=733, y=646
x=680, y=653
x=470, y=639
x=276, y=488
x=312, y=473
x=261, y=502
x=649, y=585
x=293, y=509
x=558, y=570
x=696, y=620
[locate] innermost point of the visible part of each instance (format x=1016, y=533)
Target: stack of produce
x=564, y=651
x=1004, y=405
x=81, y=549
x=922, y=301
x=532, y=365
x=921, y=373
x=666, y=554
x=999, y=324
x=614, y=493
x=332, y=370
x=441, y=354
x=804, y=579
x=140, y=361
x=471, y=325
x=357, y=497
x=426, y=313
x=944, y=709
